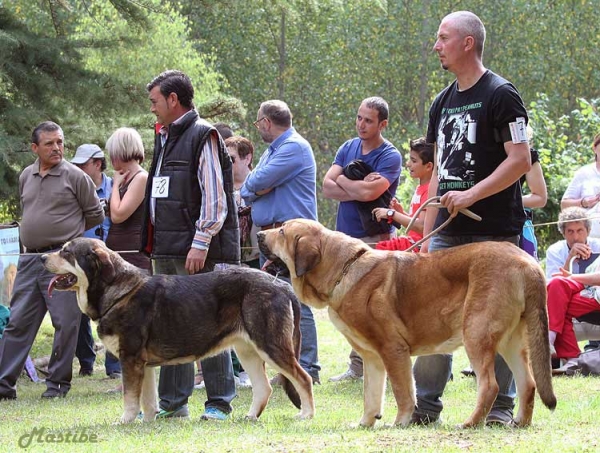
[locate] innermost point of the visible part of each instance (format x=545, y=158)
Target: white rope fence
x=535, y=225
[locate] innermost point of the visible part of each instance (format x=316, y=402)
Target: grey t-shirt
x=57, y=207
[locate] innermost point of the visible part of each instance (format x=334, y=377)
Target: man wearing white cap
x=91, y=160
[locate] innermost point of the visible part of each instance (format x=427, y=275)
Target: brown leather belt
x=271, y=226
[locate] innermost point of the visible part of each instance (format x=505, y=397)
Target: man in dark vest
x=190, y=225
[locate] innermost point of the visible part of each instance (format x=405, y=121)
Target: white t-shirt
x=586, y=183
x=557, y=254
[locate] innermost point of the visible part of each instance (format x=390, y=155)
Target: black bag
x=357, y=170
x=589, y=362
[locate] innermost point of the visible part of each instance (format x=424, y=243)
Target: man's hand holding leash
x=455, y=200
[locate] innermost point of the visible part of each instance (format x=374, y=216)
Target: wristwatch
x=390, y=215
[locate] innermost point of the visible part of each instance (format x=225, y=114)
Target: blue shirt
x=385, y=160
x=103, y=192
x=288, y=167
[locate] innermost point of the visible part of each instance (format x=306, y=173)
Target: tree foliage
x=85, y=65
x=41, y=77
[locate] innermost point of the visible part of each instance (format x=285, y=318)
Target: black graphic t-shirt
x=470, y=128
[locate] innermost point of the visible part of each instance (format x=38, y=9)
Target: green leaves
x=564, y=145
x=85, y=65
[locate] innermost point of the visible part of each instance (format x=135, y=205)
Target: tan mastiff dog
x=489, y=297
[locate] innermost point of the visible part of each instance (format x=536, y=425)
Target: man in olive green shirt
x=59, y=203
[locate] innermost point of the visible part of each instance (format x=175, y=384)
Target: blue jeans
x=111, y=364
x=176, y=382
x=85, y=352
x=309, y=350
x=433, y=372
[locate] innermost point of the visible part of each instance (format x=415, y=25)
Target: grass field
x=89, y=411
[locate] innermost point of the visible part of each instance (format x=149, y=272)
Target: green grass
x=573, y=427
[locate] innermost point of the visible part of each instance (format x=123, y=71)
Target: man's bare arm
x=368, y=189
x=331, y=189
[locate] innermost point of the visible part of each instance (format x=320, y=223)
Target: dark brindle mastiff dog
x=491, y=297
x=166, y=320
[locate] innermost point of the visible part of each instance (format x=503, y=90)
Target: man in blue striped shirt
x=190, y=178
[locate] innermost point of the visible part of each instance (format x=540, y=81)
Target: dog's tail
x=288, y=387
x=536, y=319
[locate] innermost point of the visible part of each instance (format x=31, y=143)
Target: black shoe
x=468, y=372
x=423, y=419
x=115, y=375
x=593, y=344
x=85, y=372
x=54, y=393
x=500, y=417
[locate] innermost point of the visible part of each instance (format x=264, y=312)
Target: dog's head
x=78, y=262
x=314, y=255
x=85, y=266
x=297, y=243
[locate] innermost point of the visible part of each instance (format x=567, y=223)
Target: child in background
x=420, y=165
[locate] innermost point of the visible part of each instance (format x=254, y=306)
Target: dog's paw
x=128, y=417
x=367, y=422
x=251, y=418
x=361, y=426
x=150, y=417
x=304, y=415
x=402, y=421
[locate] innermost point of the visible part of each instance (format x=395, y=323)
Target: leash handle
x=434, y=202
x=571, y=262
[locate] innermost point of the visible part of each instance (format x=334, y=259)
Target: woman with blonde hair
x=126, y=152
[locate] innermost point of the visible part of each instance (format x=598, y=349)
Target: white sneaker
x=244, y=380
x=200, y=386
x=347, y=376
x=567, y=366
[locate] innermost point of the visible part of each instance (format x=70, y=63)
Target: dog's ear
x=307, y=254
x=107, y=270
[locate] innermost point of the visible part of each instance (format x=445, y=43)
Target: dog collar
x=349, y=263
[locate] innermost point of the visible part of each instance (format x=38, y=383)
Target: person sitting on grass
x=420, y=165
x=570, y=296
